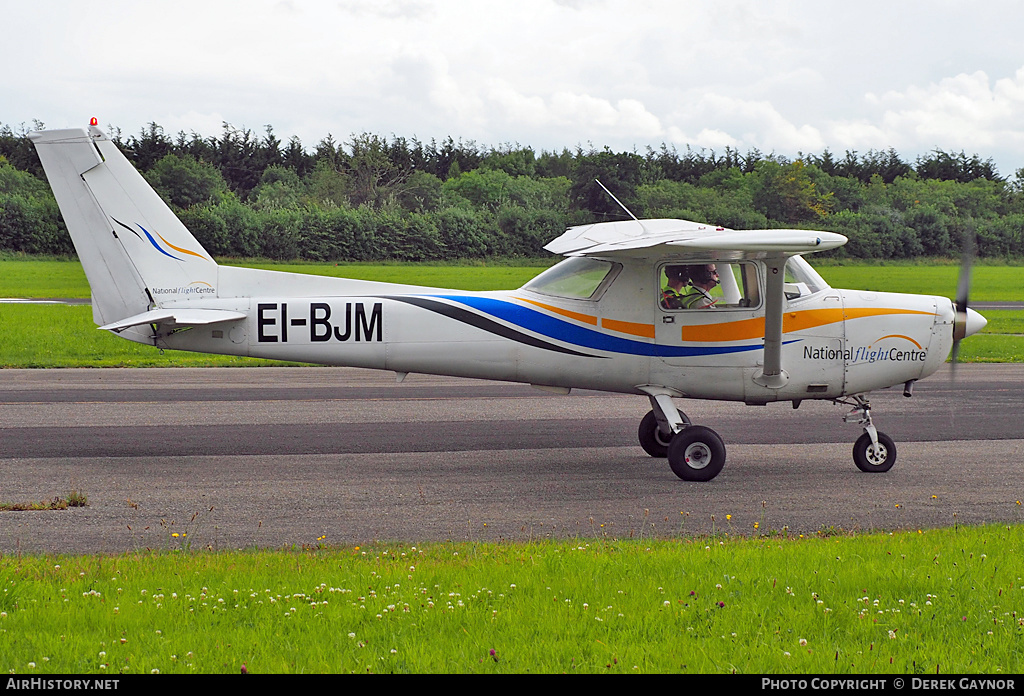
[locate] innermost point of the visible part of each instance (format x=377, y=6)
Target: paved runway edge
x=463, y=460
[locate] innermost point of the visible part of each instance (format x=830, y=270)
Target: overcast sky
x=781, y=76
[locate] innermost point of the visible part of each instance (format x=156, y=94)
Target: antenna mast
x=617, y=200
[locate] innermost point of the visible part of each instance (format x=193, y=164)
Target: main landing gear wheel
x=874, y=459
x=654, y=442
x=696, y=454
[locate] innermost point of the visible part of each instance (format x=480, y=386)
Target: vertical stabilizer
x=135, y=252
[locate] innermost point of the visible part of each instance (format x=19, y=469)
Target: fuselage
x=620, y=338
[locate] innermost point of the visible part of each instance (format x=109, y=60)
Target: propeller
x=965, y=321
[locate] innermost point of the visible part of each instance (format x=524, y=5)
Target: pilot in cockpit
x=703, y=279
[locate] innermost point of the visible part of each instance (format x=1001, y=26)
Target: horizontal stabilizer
x=179, y=316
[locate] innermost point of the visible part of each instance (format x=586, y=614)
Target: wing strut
x=772, y=375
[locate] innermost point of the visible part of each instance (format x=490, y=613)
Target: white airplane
x=605, y=318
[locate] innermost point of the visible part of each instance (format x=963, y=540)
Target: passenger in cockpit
x=673, y=294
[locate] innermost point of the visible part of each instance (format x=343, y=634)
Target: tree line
x=244, y=194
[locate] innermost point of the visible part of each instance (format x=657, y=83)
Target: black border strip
x=127, y=228
x=468, y=317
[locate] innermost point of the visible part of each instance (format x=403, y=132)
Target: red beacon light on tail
x=93, y=121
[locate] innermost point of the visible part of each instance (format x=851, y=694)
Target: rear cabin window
x=577, y=278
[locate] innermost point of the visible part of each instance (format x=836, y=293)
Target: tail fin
x=135, y=252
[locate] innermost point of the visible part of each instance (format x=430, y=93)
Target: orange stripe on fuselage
x=629, y=327
x=747, y=329
x=586, y=318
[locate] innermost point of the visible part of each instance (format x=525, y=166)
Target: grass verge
x=72, y=499
x=927, y=602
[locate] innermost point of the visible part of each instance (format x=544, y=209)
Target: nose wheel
x=874, y=457
x=874, y=452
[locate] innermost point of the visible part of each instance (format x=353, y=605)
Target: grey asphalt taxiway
x=276, y=457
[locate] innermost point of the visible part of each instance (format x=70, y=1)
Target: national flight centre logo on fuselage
x=869, y=354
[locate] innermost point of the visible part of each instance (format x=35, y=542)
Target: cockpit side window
x=709, y=285
x=576, y=278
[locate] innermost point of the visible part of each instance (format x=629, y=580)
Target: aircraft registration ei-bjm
x=597, y=320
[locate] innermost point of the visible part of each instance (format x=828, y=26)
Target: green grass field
x=65, y=336
x=988, y=283
x=930, y=602
x=41, y=278
x=28, y=277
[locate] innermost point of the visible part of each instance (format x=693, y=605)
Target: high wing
x=640, y=238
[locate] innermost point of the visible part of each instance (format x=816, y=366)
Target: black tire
x=874, y=461
x=696, y=454
x=651, y=438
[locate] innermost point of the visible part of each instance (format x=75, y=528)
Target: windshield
x=801, y=279
x=575, y=278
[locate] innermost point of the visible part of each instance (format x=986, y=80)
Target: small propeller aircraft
x=621, y=313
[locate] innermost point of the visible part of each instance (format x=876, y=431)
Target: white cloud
x=625, y=118
x=963, y=112
x=780, y=76
x=744, y=123
x=389, y=9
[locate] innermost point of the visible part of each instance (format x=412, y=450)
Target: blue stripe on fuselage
x=559, y=330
